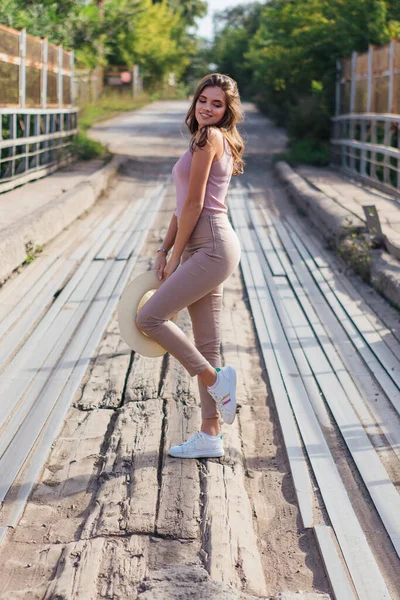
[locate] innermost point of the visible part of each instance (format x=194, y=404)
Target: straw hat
x=135, y=295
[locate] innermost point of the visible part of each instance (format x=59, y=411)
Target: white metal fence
x=366, y=138
x=38, y=119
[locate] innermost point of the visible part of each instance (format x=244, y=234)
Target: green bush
x=85, y=148
x=309, y=119
x=308, y=152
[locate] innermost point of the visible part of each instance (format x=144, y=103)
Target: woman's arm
x=170, y=236
x=161, y=259
x=199, y=171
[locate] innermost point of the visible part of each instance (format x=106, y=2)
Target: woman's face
x=210, y=106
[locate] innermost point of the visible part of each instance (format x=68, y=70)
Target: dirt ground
x=112, y=516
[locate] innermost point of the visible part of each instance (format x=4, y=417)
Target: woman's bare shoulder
x=215, y=140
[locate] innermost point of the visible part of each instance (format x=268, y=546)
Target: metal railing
x=33, y=143
x=366, y=138
x=38, y=119
x=368, y=145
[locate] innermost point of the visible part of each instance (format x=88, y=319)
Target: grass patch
x=108, y=105
x=32, y=252
x=355, y=250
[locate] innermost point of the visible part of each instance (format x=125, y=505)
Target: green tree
x=235, y=29
x=284, y=52
x=113, y=31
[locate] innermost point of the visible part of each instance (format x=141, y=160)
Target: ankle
x=211, y=426
x=208, y=376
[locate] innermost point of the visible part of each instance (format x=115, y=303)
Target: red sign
x=126, y=77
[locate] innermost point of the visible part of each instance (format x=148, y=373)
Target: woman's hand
x=159, y=264
x=172, y=265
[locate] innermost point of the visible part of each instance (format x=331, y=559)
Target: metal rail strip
x=317, y=324
x=333, y=565
x=364, y=571
x=293, y=444
x=311, y=318
x=18, y=374
x=12, y=384
x=321, y=354
x=380, y=407
x=315, y=250
x=365, y=322
x=375, y=366
x=38, y=369
x=42, y=426
x=13, y=292
x=10, y=343
x=125, y=225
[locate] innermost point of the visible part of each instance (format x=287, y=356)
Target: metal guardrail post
x=22, y=68
x=338, y=80
x=398, y=161
x=353, y=104
x=353, y=82
x=363, y=153
x=13, y=136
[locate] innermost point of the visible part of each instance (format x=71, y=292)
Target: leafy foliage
x=284, y=53
x=153, y=35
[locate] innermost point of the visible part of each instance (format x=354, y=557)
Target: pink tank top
x=217, y=184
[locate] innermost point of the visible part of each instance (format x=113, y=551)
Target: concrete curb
x=385, y=276
x=324, y=212
x=333, y=221
x=46, y=223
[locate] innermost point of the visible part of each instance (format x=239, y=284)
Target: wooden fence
x=366, y=139
x=89, y=85
x=38, y=119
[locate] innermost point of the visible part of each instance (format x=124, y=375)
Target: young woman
x=205, y=252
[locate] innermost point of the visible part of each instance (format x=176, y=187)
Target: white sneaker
x=199, y=445
x=224, y=393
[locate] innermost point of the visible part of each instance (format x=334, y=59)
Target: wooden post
x=22, y=68
x=60, y=77
x=391, y=75
x=72, y=80
x=135, y=80
x=45, y=54
x=370, y=66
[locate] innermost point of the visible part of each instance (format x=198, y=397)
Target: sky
x=205, y=25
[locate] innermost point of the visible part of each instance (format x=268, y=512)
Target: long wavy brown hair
x=233, y=115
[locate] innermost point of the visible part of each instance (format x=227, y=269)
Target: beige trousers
x=210, y=257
